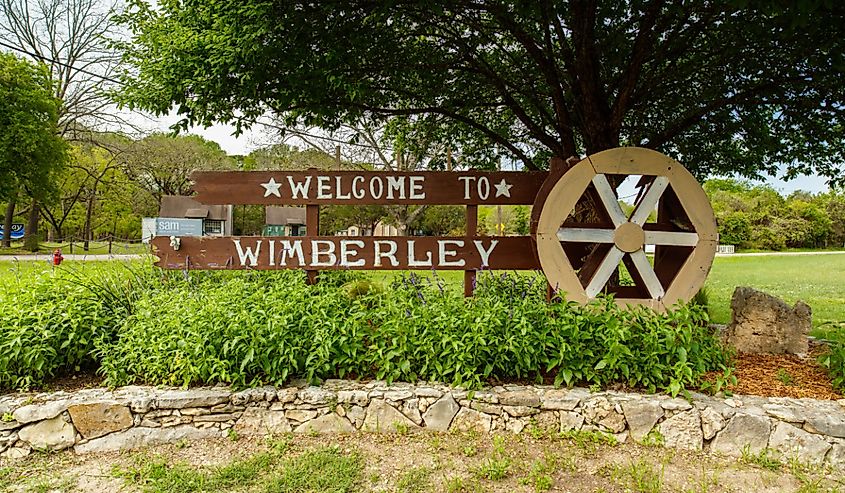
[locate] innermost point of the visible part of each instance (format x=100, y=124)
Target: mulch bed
x=783, y=375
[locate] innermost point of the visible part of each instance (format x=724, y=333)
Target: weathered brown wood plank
x=358, y=253
x=352, y=187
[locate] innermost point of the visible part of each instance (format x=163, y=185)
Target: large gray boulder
x=762, y=323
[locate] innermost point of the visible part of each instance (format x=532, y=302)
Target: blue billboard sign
x=176, y=226
x=17, y=232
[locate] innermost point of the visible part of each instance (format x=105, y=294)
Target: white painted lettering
x=443, y=252
x=390, y=254
x=485, y=254
x=338, y=194
x=289, y=250
x=373, y=181
x=483, y=187
x=249, y=255
x=346, y=252
x=272, y=252
x=357, y=191
x=466, y=180
x=299, y=189
x=416, y=187
x=316, y=253
x=396, y=183
x=323, y=187
x=412, y=260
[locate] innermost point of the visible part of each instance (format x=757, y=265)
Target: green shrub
x=254, y=328
x=47, y=327
x=834, y=360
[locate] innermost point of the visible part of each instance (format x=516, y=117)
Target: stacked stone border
x=99, y=420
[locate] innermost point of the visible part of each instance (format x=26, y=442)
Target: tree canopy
x=737, y=87
x=30, y=149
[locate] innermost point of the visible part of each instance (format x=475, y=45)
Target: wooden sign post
x=578, y=258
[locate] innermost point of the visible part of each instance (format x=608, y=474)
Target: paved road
x=767, y=254
x=70, y=257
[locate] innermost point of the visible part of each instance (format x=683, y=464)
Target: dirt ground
x=414, y=462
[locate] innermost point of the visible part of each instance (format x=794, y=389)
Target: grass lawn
x=818, y=280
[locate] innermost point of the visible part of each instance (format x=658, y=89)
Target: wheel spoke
x=585, y=235
x=605, y=270
x=608, y=198
x=647, y=274
x=671, y=238
x=649, y=201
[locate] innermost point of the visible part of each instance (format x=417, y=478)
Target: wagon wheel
x=579, y=259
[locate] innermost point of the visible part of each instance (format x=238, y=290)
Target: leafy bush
x=834, y=358
x=255, y=328
x=47, y=327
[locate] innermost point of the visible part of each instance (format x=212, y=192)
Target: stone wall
x=98, y=420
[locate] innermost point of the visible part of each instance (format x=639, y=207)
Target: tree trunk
x=7, y=222
x=88, y=214
x=30, y=241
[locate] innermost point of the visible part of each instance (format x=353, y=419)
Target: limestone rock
x=520, y=398
x=439, y=415
x=790, y=414
x=98, y=419
x=398, y=395
x=39, y=412
x=135, y=438
x=428, y=392
x=317, y=396
x=712, y=422
x=16, y=452
x=266, y=393
x=357, y=397
x=570, y=421
x=470, y=420
x=257, y=421
x=301, y=415
x=356, y=414
x=329, y=423
x=641, y=415
x=761, y=323
x=741, y=431
x=836, y=456
x=675, y=404
x=9, y=425
x=520, y=411
x=825, y=423
x=546, y=422
x=561, y=400
x=495, y=409
x=178, y=399
x=600, y=411
x=384, y=418
x=683, y=431
x=50, y=434
x=411, y=409
x=795, y=442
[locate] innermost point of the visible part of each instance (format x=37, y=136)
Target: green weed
x=414, y=480
x=762, y=459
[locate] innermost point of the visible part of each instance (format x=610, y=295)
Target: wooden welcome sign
x=580, y=235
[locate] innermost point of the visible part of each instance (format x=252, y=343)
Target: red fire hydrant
x=57, y=257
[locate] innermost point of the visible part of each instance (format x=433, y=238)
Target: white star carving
x=272, y=188
x=503, y=188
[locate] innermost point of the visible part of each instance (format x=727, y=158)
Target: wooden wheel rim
x=563, y=197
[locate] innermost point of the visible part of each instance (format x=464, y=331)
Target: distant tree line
x=758, y=217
